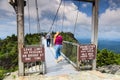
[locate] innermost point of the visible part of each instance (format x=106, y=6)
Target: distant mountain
x=108, y=44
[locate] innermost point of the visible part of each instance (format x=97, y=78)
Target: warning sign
x=32, y=54
x=86, y=52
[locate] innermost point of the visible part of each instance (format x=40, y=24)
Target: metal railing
x=70, y=51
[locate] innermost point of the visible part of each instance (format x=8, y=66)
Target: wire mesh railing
x=70, y=50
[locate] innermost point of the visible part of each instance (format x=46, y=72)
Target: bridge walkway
x=54, y=68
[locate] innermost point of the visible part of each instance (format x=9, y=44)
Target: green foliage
x=70, y=51
x=69, y=37
x=8, y=52
x=2, y=74
x=118, y=59
x=32, y=39
x=106, y=57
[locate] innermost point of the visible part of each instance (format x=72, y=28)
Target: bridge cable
x=63, y=15
x=38, y=20
x=76, y=17
x=29, y=16
x=55, y=17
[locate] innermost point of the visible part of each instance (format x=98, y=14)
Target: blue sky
x=109, y=18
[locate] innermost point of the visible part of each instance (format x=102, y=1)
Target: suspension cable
x=76, y=17
x=63, y=14
x=55, y=16
x=29, y=16
x=38, y=20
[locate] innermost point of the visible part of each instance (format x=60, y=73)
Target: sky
x=73, y=16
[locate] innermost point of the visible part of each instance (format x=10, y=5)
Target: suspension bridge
x=43, y=59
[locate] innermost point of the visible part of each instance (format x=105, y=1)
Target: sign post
x=20, y=33
x=18, y=6
x=94, y=38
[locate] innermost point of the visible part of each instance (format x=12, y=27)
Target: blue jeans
x=48, y=42
x=57, y=51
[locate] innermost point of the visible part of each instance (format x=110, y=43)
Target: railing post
x=78, y=62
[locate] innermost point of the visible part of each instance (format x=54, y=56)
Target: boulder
x=112, y=69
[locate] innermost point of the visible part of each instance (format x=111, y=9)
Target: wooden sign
x=86, y=52
x=32, y=54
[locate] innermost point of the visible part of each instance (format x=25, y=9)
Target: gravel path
x=82, y=75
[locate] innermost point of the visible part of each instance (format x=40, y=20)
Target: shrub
x=106, y=57
x=2, y=72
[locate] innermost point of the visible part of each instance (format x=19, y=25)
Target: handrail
x=75, y=44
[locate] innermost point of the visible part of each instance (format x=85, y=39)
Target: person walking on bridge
x=58, y=46
x=48, y=37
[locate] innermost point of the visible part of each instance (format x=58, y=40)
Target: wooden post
x=78, y=62
x=20, y=33
x=94, y=38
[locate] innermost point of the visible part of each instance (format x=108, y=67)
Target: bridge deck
x=54, y=68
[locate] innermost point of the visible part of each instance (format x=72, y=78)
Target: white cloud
x=14, y=23
x=42, y=7
x=111, y=35
x=110, y=18
x=109, y=24
x=85, y=5
x=7, y=30
x=113, y=4
x=4, y=5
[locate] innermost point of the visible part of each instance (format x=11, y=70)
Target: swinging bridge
x=39, y=58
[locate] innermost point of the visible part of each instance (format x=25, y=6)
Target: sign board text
x=32, y=54
x=86, y=52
